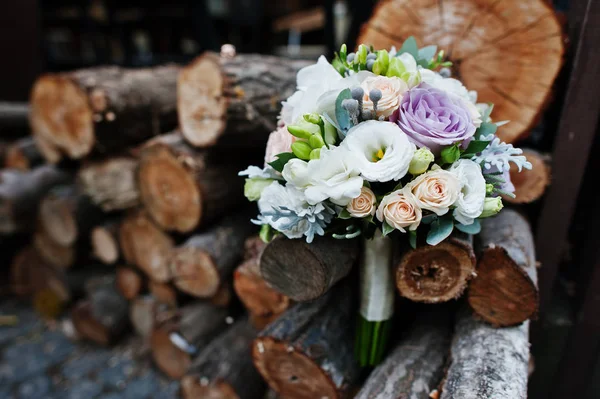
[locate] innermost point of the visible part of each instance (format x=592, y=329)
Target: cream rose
x=279, y=141
x=363, y=205
x=436, y=190
x=400, y=210
x=391, y=89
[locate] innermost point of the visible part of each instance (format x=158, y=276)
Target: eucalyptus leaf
x=428, y=219
x=473, y=228
x=386, y=229
x=486, y=129
x=342, y=116
x=488, y=111
x=409, y=46
x=281, y=160
x=427, y=53
x=439, y=231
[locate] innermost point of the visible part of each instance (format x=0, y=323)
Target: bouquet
x=376, y=143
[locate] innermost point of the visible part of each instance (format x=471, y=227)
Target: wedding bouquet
x=376, y=143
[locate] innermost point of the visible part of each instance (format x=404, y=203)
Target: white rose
x=382, y=151
x=391, y=88
x=296, y=173
x=400, y=210
x=363, y=205
x=436, y=190
x=471, y=198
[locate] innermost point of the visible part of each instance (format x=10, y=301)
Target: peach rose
x=363, y=205
x=436, y=190
x=399, y=209
x=392, y=89
x=279, y=141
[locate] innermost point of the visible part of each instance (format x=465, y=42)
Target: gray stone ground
x=37, y=361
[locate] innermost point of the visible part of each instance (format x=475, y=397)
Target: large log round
x=530, y=184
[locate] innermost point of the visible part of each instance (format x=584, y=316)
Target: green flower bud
x=302, y=150
x=313, y=118
x=330, y=133
x=396, y=68
x=343, y=52
x=420, y=161
x=266, y=233
x=450, y=154
x=254, y=187
x=316, y=141
x=382, y=62
x=489, y=188
x=304, y=130
x=361, y=55
x=315, y=154
x=491, y=206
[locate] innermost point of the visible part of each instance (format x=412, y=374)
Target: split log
x=416, y=366
x=103, y=109
x=437, y=273
x=176, y=341
x=164, y=293
x=57, y=255
x=207, y=260
x=23, y=154
x=527, y=36
x=263, y=302
x=183, y=188
x=103, y=316
x=308, y=351
x=224, y=368
x=234, y=101
x=487, y=362
x=129, y=282
x=146, y=246
x=146, y=313
x=304, y=271
x=20, y=194
x=111, y=183
x=505, y=291
x=105, y=242
x=530, y=185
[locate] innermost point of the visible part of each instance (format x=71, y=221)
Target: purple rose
x=433, y=118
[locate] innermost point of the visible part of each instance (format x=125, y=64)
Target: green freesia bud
x=304, y=130
x=361, y=55
x=489, y=188
x=343, y=52
x=315, y=154
x=316, y=141
x=420, y=161
x=450, y=154
x=254, y=187
x=330, y=133
x=302, y=150
x=382, y=62
x=312, y=118
x=266, y=233
x=491, y=206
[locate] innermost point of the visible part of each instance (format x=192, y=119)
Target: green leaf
x=266, y=233
x=281, y=160
x=428, y=219
x=397, y=186
x=473, y=228
x=476, y=146
x=344, y=214
x=439, y=231
x=485, y=130
x=427, y=53
x=488, y=111
x=386, y=229
x=450, y=154
x=423, y=63
x=410, y=46
x=342, y=116
x=412, y=239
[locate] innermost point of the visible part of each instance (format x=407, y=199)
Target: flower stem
x=371, y=341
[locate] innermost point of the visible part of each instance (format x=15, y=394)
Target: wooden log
x=105, y=242
x=102, y=317
x=164, y=293
x=530, y=185
x=14, y=115
x=505, y=291
x=308, y=351
x=304, y=271
x=233, y=101
x=175, y=343
x=23, y=154
x=207, y=260
x=104, y=108
x=437, y=273
x=129, y=282
x=183, y=188
x=111, y=183
x=414, y=368
x=487, y=362
x=22, y=273
x=20, y=194
x=57, y=255
x=263, y=302
x=146, y=246
x=504, y=33
x=146, y=313
x=224, y=368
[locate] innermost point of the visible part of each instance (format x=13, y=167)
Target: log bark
x=146, y=246
x=437, y=273
x=175, y=342
x=57, y=255
x=111, y=183
x=262, y=301
x=504, y=36
x=505, y=291
x=233, y=101
x=103, y=316
x=105, y=242
x=145, y=313
x=530, y=185
x=183, y=188
x=23, y=154
x=487, y=362
x=20, y=194
x=129, y=282
x=308, y=351
x=304, y=271
x=103, y=109
x=224, y=368
x=414, y=368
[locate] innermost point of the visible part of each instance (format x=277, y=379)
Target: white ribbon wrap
x=376, y=282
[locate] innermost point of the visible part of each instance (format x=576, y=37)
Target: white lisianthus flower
x=400, y=210
x=381, y=150
x=391, y=88
x=471, y=198
x=436, y=190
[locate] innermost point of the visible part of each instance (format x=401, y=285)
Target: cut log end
x=129, y=282
x=169, y=358
x=58, y=220
x=200, y=101
x=163, y=292
x=530, y=184
x=104, y=245
x=260, y=299
x=434, y=273
x=193, y=387
x=194, y=272
x=502, y=294
x=87, y=326
x=291, y=373
x=61, y=257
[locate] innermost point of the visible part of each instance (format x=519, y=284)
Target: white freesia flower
x=436, y=190
x=381, y=150
x=296, y=173
x=253, y=172
x=469, y=203
x=412, y=71
x=285, y=209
